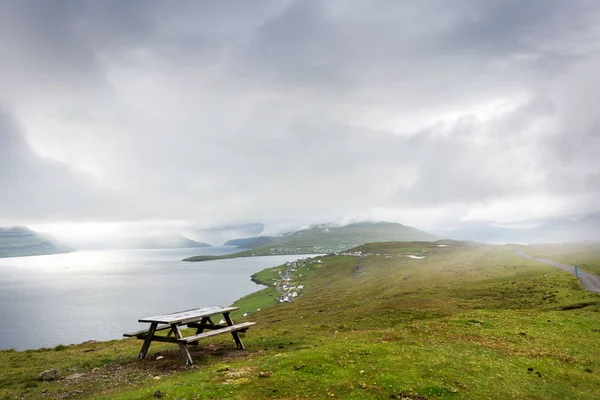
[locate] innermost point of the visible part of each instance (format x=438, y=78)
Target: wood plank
x=148, y=340
x=165, y=339
x=205, y=326
x=236, y=337
x=234, y=328
x=183, y=317
x=187, y=357
x=143, y=332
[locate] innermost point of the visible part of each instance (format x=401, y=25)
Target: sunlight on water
x=71, y=298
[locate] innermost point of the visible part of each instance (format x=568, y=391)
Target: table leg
x=203, y=321
x=148, y=340
x=187, y=357
x=236, y=336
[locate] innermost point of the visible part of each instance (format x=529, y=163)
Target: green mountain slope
x=461, y=321
x=21, y=241
x=339, y=236
x=325, y=239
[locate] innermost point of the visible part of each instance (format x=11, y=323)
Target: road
x=589, y=281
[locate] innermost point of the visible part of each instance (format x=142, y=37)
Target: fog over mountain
x=196, y=117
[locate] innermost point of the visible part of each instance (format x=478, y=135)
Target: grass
x=586, y=255
x=259, y=252
x=465, y=322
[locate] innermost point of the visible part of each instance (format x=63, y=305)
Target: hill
x=461, y=321
x=167, y=241
x=322, y=239
x=21, y=241
x=252, y=242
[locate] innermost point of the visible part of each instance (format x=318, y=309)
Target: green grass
x=585, y=255
x=325, y=240
x=465, y=322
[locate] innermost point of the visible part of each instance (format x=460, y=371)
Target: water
x=85, y=295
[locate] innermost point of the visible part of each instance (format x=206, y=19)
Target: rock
x=160, y=357
x=265, y=374
x=156, y=378
x=48, y=375
x=75, y=376
x=158, y=394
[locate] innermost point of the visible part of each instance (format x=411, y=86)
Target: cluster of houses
x=301, y=250
x=285, y=286
x=355, y=254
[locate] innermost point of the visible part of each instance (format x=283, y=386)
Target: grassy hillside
x=586, y=255
x=464, y=322
x=324, y=239
x=20, y=241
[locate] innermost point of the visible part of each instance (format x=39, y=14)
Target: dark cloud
x=226, y=112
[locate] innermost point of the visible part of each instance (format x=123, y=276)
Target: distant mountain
x=338, y=237
x=564, y=230
x=167, y=241
x=326, y=238
x=21, y=241
x=252, y=242
x=219, y=234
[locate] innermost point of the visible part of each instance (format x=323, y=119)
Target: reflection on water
x=71, y=298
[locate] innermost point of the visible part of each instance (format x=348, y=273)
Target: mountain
x=21, y=241
x=326, y=238
x=338, y=237
x=252, y=242
x=166, y=241
x=556, y=231
x=219, y=234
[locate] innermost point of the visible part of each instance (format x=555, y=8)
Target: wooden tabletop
x=182, y=317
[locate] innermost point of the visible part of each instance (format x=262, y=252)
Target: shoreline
x=253, y=278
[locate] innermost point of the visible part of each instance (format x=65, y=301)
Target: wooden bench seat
x=233, y=328
x=143, y=332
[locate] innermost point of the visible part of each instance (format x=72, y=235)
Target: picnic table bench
x=199, y=318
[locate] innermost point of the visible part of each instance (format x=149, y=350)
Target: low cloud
x=290, y=113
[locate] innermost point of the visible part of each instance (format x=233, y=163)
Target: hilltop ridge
x=324, y=238
x=21, y=241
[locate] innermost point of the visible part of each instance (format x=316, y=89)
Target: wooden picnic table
x=199, y=318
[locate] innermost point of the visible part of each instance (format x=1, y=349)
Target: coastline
x=261, y=278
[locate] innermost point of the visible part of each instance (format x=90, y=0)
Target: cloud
x=431, y=113
x=37, y=188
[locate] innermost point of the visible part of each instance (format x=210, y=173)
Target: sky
x=196, y=115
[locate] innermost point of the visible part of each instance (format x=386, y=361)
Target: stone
x=158, y=394
x=48, y=375
x=75, y=376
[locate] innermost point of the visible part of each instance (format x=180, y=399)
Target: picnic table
x=199, y=318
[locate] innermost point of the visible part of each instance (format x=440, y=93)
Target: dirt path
x=589, y=281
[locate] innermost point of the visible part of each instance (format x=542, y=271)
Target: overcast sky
x=194, y=113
